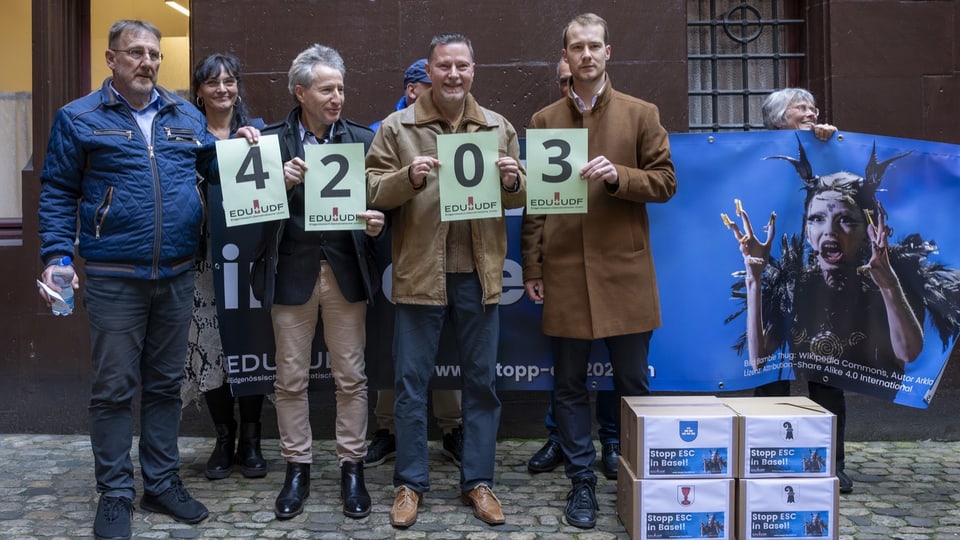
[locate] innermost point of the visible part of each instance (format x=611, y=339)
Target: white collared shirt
x=583, y=106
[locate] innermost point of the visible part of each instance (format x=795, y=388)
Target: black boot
x=356, y=500
x=296, y=488
x=220, y=463
x=252, y=464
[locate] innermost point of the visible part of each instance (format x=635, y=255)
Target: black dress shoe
x=296, y=488
x=356, y=500
x=608, y=460
x=581, y=510
x=547, y=458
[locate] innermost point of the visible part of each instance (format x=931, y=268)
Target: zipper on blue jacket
x=124, y=132
x=100, y=216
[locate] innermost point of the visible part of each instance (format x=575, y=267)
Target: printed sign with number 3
x=554, y=160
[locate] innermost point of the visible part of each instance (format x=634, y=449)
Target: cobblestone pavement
x=904, y=490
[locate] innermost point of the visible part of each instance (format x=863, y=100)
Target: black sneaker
x=382, y=447
x=453, y=445
x=177, y=503
x=581, y=510
x=113, y=518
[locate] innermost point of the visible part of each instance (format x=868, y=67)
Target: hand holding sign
x=555, y=159
x=294, y=171
x=509, y=172
x=420, y=168
x=470, y=177
x=335, y=187
x=252, y=181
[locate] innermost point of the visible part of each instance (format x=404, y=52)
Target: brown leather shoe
x=404, y=511
x=486, y=505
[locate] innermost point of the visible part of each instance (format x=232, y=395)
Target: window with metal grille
x=737, y=54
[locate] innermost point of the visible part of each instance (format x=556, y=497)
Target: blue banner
x=698, y=258
x=699, y=265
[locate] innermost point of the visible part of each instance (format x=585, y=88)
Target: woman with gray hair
x=794, y=108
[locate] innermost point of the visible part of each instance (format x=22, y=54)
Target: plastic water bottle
x=63, y=277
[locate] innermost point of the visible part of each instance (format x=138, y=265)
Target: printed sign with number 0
x=252, y=180
x=335, y=187
x=469, y=176
x=554, y=160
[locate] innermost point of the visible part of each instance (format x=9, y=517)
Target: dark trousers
x=220, y=402
x=607, y=412
x=138, y=334
x=628, y=357
x=415, y=344
x=828, y=397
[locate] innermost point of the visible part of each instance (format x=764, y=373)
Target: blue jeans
x=416, y=340
x=608, y=402
x=628, y=357
x=138, y=334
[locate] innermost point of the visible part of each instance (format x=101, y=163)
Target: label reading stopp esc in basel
x=803, y=524
x=787, y=460
x=685, y=525
x=684, y=461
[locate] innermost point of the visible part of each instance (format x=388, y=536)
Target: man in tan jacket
x=594, y=272
x=441, y=269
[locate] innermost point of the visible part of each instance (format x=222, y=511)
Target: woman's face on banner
x=835, y=229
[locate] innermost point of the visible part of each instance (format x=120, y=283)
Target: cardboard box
x=678, y=436
x=784, y=436
x=788, y=508
x=675, y=508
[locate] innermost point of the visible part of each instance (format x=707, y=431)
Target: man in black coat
x=311, y=274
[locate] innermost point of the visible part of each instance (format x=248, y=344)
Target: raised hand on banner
x=906, y=334
x=878, y=267
x=755, y=257
x=755, y=253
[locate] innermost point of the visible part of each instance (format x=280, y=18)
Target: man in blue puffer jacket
x=128, y=157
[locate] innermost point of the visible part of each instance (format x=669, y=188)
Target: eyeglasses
x=564, y=80
x=139, y=54
x=804, y=108
x=213, y=84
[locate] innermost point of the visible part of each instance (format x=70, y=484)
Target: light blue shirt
x=144, y=116
x=309, y=137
